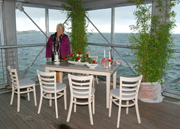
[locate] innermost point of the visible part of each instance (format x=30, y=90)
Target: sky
x=101, y=18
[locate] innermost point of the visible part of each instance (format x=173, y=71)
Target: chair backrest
x=47, y=81
x=94, y=57
x=129, y=87
x=13, y=76
x=80, y=86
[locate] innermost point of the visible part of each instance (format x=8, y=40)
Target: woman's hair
x=60, y=25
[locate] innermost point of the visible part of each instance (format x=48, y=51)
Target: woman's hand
x=47, y=58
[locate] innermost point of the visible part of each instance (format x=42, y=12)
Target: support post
x=156, y=11
x=10, y=37
x=47, y=22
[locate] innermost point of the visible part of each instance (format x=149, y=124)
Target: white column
x=47, y=22
x=9, y=31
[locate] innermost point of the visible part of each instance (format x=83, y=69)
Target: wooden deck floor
x=153, y=116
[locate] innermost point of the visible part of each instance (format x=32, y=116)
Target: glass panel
x=102, y=22
x=173, y=73
x=56, y=17
x=0, y=23
x=27, y=32
x=26, y=57
x=122, y=22
x=124, y=69
x=1, y=63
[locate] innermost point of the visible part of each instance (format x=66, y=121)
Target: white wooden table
x=99, y=70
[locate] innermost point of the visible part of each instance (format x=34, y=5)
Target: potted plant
x=78, y=34
x=152, y=45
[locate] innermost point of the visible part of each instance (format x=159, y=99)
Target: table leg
x=108, y=83
x=114, y=79
x=61, y=77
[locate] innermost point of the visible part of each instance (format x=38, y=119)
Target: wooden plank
x=162, y=115
x=24, y=115
x=12, y=120
x=48, y=112
x=5, y=121
x=42, y=120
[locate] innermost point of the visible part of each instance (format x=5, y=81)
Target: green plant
x=78, y=34
x=153, y=39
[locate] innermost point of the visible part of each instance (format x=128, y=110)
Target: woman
x=58, y=43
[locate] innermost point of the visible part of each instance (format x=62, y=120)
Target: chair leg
x=65, y=99
x=70, y=110
x=12, y=96
x=56, y=106
x=18, y=101
x=90, y=112
x=127, y=108
x=34, y=91
x=75, y=106
x=28, y=95
x=137, y=113
x=119, y=115
x=97, y=80
x=50, y=100
x=110, y=105
x=40, y=103
x=93, y=82
x=93, y=102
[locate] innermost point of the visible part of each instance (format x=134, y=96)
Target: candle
x=109, y=53
x=104, y=53
x=56, y=57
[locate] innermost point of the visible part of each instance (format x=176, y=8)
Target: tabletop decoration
x=80, y=58
x=105, y=62
x=116, y=62
x=56, y=60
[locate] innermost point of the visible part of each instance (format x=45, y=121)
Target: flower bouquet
x=80, y=58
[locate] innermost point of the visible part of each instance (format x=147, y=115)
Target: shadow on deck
x=153, y=116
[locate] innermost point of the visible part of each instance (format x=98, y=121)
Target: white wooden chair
x=50, y=89
x=81, y=88
x=96, y=59
x=126, y=96
x=21, y=86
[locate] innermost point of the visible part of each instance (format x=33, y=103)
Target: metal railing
x=167, y=92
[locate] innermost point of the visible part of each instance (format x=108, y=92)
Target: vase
x=150, y=92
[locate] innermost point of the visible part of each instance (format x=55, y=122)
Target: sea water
x=27, y=55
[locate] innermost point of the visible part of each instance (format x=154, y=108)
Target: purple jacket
x=65, y=46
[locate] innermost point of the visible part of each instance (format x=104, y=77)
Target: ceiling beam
x=102, y=4
x=53, y=4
